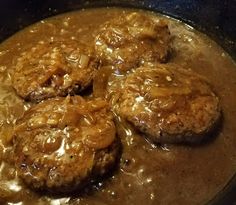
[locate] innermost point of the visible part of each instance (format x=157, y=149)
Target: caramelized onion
x=100, y=137
x=6, y=133
x=156, y=92
x=83, y=61
x=100, y=81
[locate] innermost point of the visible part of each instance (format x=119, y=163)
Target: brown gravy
x=148, y=174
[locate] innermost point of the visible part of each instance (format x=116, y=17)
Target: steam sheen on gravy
x=146, y=172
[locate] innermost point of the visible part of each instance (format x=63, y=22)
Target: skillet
x=215, y=18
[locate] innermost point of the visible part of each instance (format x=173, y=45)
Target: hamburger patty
x=63, y=144
x=169, y=104
x=53, y=68
x=131, y=40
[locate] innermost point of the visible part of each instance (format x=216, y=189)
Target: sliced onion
x=100, y=137
x=100, y=81
x=83, y=61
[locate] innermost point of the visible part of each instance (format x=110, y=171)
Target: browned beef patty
x=130, y=40
x=169, y=104
x=63, y=144
x=53, y=68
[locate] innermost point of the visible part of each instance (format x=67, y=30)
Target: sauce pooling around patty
x=146, y=172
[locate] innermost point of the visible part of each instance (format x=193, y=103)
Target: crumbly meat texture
x=131, y=40
x=63, y=144
x=53, y=68
x=169, y=104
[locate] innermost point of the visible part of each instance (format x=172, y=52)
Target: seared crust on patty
x=62, y=144
x=169, y=104
x=131, y=40
x=53, y=68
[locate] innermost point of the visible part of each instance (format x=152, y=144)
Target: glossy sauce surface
x=147, y=174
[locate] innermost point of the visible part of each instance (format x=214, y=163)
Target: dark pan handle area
x=217, y=18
